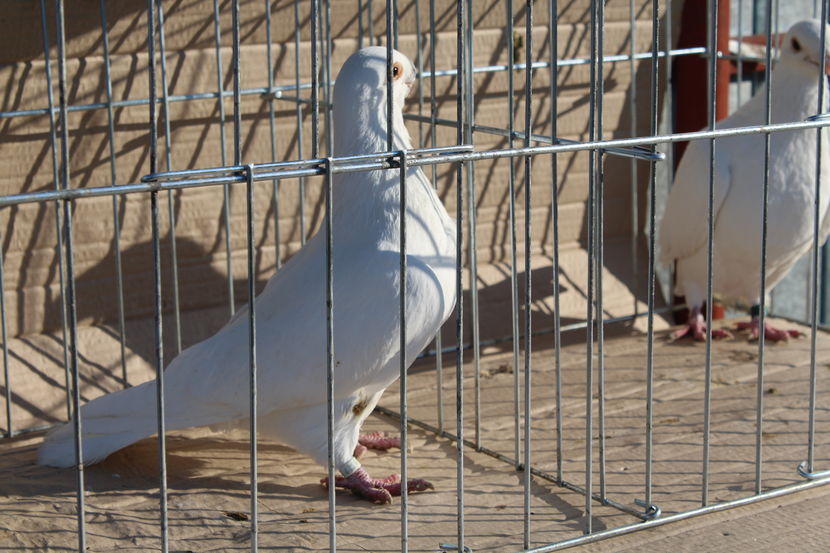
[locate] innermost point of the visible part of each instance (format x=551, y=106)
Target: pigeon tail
x=109, y=423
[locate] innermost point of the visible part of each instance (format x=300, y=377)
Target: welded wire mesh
x=491, y=133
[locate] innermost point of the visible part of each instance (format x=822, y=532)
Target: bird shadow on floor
x=203, y=463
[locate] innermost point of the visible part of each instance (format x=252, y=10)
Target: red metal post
x=692, y=85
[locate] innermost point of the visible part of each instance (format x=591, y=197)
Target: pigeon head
x=360, y=101
x=802, y=47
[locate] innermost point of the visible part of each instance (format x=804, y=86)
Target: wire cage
x=164, y=160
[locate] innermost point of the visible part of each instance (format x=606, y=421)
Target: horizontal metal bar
x=78, y=193
x=570, y=62
x=31, y=429
x=277, y=92
x=235, y=170
x=714, y=508
x=635, y=152
x=145, y=101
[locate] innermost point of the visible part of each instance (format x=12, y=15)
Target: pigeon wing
x=683, y=228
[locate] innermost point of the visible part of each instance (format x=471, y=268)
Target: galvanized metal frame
x=464, y=155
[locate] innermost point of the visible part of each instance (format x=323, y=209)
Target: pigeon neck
x=794, y=93
x=363, y=130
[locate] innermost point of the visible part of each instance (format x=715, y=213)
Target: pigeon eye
x=796, y=45
x=397, y=70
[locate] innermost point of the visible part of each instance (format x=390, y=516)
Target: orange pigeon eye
x=397, y=70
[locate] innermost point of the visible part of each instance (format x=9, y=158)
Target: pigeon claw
x=770, y=332
x=377, y=490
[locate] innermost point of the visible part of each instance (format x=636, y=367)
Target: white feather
x=208, y=383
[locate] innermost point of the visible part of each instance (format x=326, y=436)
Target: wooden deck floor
x=208, y=474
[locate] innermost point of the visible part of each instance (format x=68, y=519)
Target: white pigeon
x=738, y=200
x=208, y=383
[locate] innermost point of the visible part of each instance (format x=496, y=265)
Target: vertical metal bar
x=528, y=266
x=70, y=275
x=315, y=145
x=632, y=129
x=226, y=200
x=249, y=177
x=220, y=81
x=514, y=286
x=776, y=4
x=116, y=222
x=395, y=18
x=326, y=15
x=330, y=357
x=272, y=129
x=433, y=113
x=471, y=214
x=237, y=86
x=669, y=87
x=419, y=64
x=315, y=86
x=759, y=383
x=389, y=31
x=360, y=30
x=553, y=40
x=739, y=62
x=589, y=329
x=299, y=111
x=419, y=67
x=652, y=231
x=6, y=378
x=59, y=248
x=392, y=9
x=370, y=25
x=811, y=421
x=154, y=222
x=668, y=107
x=710, y=232
x=459, y=286
x=600, y=248
x=403, y=364
x=171, y=212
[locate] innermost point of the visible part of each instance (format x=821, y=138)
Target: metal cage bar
x=157, y=300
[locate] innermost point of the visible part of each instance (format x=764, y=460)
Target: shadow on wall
x=203, y=290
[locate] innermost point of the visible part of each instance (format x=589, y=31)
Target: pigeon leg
x=696, y=328
x=374, y=489
x=375, y=440
x=770, y=332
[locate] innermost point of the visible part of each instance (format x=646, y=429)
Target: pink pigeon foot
x=770, y=332
x=375, y=440
x=376, y=490
x=379, y=440
x=696, y=328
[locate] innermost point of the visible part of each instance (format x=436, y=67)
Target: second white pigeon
x=738, y=200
